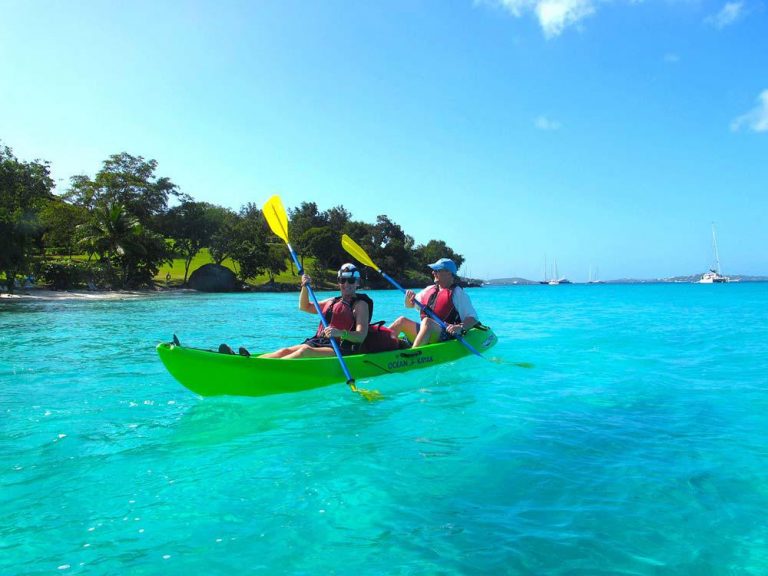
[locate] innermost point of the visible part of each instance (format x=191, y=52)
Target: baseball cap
x=444, y=264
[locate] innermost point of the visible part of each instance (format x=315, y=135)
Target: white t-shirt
x=460, y=301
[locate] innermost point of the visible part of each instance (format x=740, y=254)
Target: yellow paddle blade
x=276, y=217
x=356, y=252
x=497, y=360
x=370, y=395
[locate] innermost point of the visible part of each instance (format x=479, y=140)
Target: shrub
x=64, y=275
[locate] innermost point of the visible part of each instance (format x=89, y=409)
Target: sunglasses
x=347, y=280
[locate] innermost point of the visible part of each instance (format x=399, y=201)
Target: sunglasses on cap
x=347, y=280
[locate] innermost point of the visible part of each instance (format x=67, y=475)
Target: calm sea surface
x=638, y=443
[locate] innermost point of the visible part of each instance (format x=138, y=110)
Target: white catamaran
x=714, y=276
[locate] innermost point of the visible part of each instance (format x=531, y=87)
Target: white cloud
x=729, y=14
x=671, y=58
x=554, y=15
x=544, y=123
x=756, y=119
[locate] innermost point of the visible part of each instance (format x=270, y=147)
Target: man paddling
x=446, y=299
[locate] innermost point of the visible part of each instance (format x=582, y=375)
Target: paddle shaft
x=336, y=349
x=429, y=312
x=277, y=219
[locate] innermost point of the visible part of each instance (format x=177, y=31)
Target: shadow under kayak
x=210, y=373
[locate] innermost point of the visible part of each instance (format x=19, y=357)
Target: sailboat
x=546, y=280
x=714, y=276
x=593, y=279
x=555, y=279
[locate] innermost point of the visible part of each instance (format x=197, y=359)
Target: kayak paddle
x=278, y=221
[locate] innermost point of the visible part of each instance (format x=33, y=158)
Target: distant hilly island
x=675, y=279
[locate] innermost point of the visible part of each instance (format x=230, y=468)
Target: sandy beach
x=44, y=294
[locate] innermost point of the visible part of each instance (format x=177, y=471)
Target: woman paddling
x=347, y=315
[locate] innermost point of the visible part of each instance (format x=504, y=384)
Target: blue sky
x=603, y=134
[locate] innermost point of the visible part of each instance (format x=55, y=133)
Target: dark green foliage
x=60, y=220
x=122, y=220
x=117, y=238
x=191, y=225
x=71, y=274
x=126, y=180
x=249, y=247
x=24, y=189
x=64, y=274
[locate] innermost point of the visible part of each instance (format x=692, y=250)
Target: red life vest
x=441, y=303
x=340, y=314
x=380, y=339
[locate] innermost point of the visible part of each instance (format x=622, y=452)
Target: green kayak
x=213, y=374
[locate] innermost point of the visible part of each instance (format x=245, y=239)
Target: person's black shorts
x=444, y=336
x=346, y=347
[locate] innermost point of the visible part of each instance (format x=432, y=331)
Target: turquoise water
x=638, y=444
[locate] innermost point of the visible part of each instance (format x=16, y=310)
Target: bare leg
x=283, y=352
x=308, y=352
x=428, y=332
x=405, y=326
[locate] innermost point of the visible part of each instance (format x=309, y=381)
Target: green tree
x=338, y=217
x=82, y=192
x=60, y=220
x=222, y=240
x=119, y=239
x=126, y=180
x=434, y=250
x=392, y=246
x=111, y=232
x=303, y=218
x=24, y=188
x=324, y=245
x=191, y=225
x=276, y=260
x=249, y=248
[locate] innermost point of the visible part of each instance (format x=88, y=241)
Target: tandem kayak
x=209, y=373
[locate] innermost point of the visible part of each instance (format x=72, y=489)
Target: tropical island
x=126, y=228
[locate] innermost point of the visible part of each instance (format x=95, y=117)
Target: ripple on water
x=636, y=444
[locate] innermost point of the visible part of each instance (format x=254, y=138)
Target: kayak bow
x=209, y=373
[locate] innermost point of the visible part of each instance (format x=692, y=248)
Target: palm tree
x=113, y=234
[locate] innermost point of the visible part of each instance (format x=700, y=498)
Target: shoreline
x=49, y=294
x=45, y=294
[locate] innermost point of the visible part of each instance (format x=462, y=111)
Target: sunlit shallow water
x=638, y=443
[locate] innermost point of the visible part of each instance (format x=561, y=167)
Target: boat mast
x=714, y=246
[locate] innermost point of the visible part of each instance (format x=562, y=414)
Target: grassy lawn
x=176, y=270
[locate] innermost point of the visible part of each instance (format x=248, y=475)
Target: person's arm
x=304, y=304
x=411, y=298
x=466, y=312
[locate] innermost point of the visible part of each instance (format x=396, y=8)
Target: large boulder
x=213, y=278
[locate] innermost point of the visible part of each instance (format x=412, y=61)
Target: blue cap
x=444, y=264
